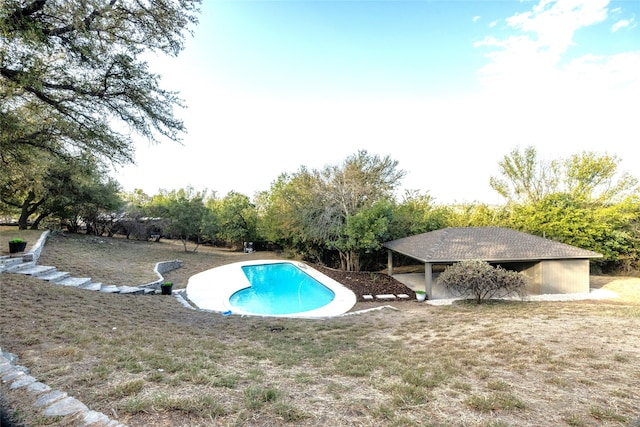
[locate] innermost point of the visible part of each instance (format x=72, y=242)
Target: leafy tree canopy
x=417, y=214
x=34, y=182
x=185, y=213
x=237, y=218
x=590, y=176
x=72, y=77
x=524, y=177
x=587, y=175
x=343, y=200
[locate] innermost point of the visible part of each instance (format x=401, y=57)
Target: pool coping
x=211, y=289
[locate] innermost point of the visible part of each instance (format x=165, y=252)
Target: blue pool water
x=280, y=288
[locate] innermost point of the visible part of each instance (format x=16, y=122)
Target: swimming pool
x=280, y=288
x=218, y=289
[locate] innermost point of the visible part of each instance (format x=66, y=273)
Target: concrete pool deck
x=211, y=290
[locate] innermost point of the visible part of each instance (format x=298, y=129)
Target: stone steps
x=54, y=276
x=36, y=270
x=133, y=290
x=74, y=281
x=92, y=286
x=7, y=262
x=383, y=297
x=17, y=265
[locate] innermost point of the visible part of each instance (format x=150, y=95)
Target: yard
x=149, y=361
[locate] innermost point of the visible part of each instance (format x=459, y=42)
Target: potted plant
x=166, y=288
x=17, y=245
x=421, y=295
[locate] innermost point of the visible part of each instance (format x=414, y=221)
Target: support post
x=428, y=275
x=390, y=262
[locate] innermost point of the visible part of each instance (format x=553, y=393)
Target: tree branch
x=87, y=21
x=28, y=10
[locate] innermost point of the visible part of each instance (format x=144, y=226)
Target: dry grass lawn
x=149, y=361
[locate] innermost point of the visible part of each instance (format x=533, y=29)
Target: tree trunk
x=28, y=208
x=73, y=225
x=36, y=223
x=355, y=261
x=349, y=261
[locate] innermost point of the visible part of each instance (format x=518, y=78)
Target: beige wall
x=533, y=273
x=558, y=277
x=565, y=276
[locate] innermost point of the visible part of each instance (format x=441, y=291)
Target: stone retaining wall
x=36, y=249
x=160, y=268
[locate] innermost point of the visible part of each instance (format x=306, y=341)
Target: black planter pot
x=15, y=247
x=166, y=290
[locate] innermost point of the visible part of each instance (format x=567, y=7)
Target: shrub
x=481, y=280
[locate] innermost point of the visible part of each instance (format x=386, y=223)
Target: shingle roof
x=486, y=243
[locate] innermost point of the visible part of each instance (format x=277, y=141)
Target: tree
x=340, y=193
x=184, y=213
x=99, y=203
x=237, y=218
x=137, y=198
x=285, y=215
x=587, y=175
x=277, y=209
x=417, y=214
x=23, y=188
x=524, y=177
x=73, y=77
x=360, y=181
x=477, y=215
x=136, y=218
x=364, y=233
x=590, y=176
x=37, y=183
x=342, y=210
x=481, y=280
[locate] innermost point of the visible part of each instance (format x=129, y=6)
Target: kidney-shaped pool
x=269, y=288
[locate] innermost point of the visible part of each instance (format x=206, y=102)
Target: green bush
x=482, y=281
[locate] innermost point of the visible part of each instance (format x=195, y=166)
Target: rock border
x=53, y=403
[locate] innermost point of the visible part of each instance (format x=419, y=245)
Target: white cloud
x=613, y=73
x=533, y=60
x=550, y=26
x=624, y=23
x=476, y=18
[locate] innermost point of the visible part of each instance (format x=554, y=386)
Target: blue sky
x=447, y=88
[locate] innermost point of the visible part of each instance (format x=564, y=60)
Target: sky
x=446, y=88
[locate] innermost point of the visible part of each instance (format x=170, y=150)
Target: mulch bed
x=367, y=283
